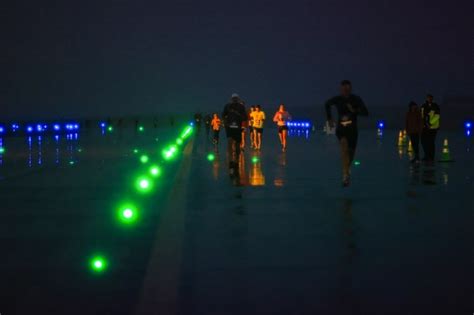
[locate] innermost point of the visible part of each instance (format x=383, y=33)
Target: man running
x=430, y=114
x=348, y=107
x=216, y=128
x=258, y=120
x=234, y=115
x=281, y=118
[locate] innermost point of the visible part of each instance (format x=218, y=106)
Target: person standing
x=281, y=118
x=413, y=126
x=348, y=107
x=430, y=115
x=258, y=120
x=216, y=128
x=234, y=115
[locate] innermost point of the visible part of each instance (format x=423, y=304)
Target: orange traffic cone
x=445, y=155
x=400, y=139
x=410, y=147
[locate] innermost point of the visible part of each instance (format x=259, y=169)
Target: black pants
x=415, y=142
x=216, y=135
x=348, y=141
x=428, y=138
x=234, y=138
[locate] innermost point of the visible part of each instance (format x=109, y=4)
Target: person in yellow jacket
x=430, y=115
x=216, y=128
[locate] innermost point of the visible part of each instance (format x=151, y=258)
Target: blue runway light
x=56, y=127
x=2, y=129
x=29, y=129
x=76, y=126
x=102, y=125
x=468, y=125
x=381, y=124
x=39, y=128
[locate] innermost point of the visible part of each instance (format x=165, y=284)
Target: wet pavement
x=285, y=238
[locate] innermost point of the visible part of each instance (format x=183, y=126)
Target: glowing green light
x=110, y=128
x=170, y=152
x=141, y=129
x=79, y=150
x=356, y=162
x=2, y=150
x=143, y=184
x=255, y=159
x=155, y=171
x=187, y=132
x=179, y=141
x=71, y=162
x=98, y=264
x=127, y=213
x=135, y=151
x=211, y=157
x=144, y=159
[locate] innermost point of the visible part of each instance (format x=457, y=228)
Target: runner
x=348, y=106
x=216, y=128
x=234, y=115
x=251, y=133
x=281, y=117
x=258, y=120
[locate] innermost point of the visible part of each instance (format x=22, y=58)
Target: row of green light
x=127, y=212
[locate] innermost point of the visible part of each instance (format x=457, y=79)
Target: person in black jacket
x=234, y=115
x=430, y=115
x=348, y=107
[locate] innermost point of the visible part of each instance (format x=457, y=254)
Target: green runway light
x=127, y=214
x=98, y=264
x=71, y=163
x=179, y=141
x=169, y=153
x=144, y=159
x=110, y=129
x=255, y=159
x=187, y=132
x=211, y=157
x=155, y=171
x=2, y=150
x=135, y=151
x=356, y=162
x=143, y=184
x=79, y=150
x=141, y=129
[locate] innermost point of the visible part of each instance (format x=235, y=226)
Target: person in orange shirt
x=216, y=128
x=281, y=118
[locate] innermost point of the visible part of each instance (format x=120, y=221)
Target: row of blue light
x=299, y=124
x=468, y=127
x=39, y=128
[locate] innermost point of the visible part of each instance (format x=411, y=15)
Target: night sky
x=131, y=57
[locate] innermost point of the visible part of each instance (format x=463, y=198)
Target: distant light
x=468, y=132
x=110, y=129
x=98, y=264
x=76, y=126
x=141, y=129
x=2, y=129
x=381, y=124
x=56, y=127
x=144, y=159
x=135, y=151
x=102, y=125
x=211, y=157
x=39, y=128
x=155, y=171
x=255, y=159
x=72, y=162
x=143, y=184
x=179, y=141
x=468, y=125
x=356, y=162
x=29, y=129
x=2, y=150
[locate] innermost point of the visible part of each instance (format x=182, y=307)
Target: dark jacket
x=348, y=108
x=234, y=114
x=413, y=123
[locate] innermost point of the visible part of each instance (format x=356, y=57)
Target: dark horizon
x=68, y=59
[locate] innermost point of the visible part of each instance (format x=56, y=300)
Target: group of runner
x=349, y=106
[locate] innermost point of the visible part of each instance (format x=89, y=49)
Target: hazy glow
x=98, y=263
x=356, y=162
x=2, y=150
x=144, y=159
x=143, y=184
x=155, y=171
x=255, y=159
x=211, y=157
